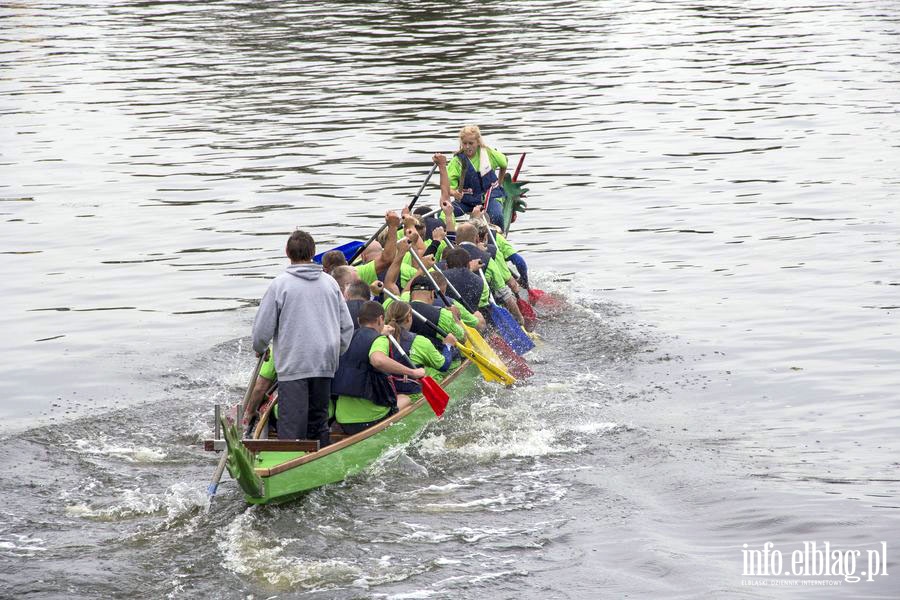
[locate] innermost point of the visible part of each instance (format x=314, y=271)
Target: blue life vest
x=433, y=314
x=353, y=307
x=402, y=385
x=476, y=252
x=472, y=179
x=357, y=377
x=468, y=284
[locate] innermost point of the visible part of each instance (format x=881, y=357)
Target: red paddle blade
x=542, y=299
x=515, y=363
x=528, y=314
x=435, y=395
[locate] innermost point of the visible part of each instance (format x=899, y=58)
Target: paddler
x=421, y=299
x=420, y=350
x=365, y=396
x=377, y=258
x=471, y=174
x=304, y=315
x=501, y=282
x=472, y=319
x=459, y=272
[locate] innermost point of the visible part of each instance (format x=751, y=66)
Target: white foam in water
x=250, y=554
x=13, y=544
x=177, y=500
x=414, y=595
x=508, y=444
x=136, y=454
x=441, y=489
x=596, y=427
x=472, y=505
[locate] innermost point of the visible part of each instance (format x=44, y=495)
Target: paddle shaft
x=490, y=293
x=418, y=260
x=518, y=167
x=402, y=353
x=220, y=468
x=382, y=228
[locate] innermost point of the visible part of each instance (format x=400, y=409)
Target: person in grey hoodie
x=304, y=312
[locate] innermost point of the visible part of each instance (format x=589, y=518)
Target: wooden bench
x=276, y=445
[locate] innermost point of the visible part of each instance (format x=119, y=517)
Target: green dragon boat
x=274, y=471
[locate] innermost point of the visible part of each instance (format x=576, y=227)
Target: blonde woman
x=471, y=174
x=418, y=348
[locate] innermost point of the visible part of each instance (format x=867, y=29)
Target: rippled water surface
x=713, y=185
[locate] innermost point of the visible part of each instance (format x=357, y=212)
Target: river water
x=713, y=185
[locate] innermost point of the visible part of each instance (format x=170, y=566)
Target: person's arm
x=265, y=322
x=386, y=364
x=441, y=161
x=465, y=316
x=347, y=328
x=513, y=307
x=256, y=397
x=454, y=176
x=393, y=274
x=447, y=322
x=390, y=242
x=424, y=354
x=449, y=216
x=437, y=236
x=498, y=159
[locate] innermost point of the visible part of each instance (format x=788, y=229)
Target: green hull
x=272, y=477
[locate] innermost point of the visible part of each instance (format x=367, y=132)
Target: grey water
x=713, y=185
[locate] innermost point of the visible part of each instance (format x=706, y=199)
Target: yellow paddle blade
x=488, y=371
x=476, y=342
x=537, y=339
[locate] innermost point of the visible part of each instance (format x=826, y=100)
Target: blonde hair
x=470, y=130
x=396, y=315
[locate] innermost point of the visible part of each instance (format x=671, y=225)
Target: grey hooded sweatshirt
x=304, y=312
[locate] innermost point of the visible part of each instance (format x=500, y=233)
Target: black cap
x=421, y=283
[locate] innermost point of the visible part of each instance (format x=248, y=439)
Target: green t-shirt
x=367, y=272
x=407, y=272
x=464, y=315
x=502, y=268
x=267, y=370
x=503, y=247
x=362, y=410
x=454, y=167
x=495, y=275
x=424, y=354
x=408, y=259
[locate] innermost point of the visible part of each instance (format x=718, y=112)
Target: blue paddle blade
x=348, y=250
x=510, y=330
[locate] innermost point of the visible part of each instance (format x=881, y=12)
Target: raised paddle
x=382, y=228
x=348, y=250
x=488, y=370
x=220, y=468
x=518, y=167
x=434, y=393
